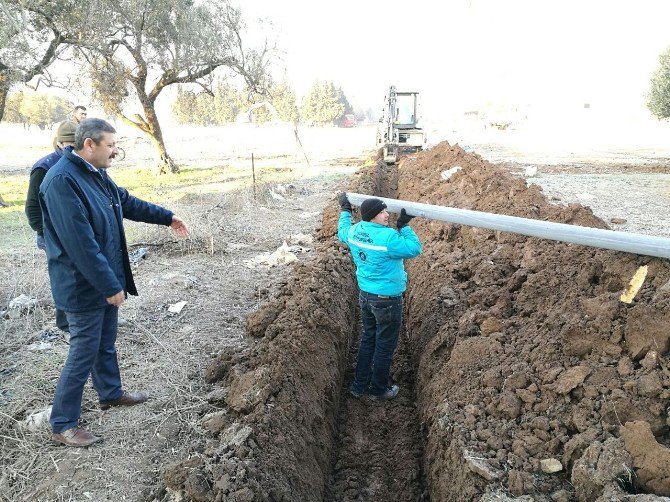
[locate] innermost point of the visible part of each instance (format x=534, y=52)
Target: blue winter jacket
x=37, y=174
x=83, y=213
x=378, y=253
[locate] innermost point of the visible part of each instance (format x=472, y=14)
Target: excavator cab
x=405, y=115
x=398, y=131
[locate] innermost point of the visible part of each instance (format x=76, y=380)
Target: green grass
x=141, y=183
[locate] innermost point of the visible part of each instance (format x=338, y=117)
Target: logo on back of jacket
x=363, y=237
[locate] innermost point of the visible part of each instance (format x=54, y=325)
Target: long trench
x=378, y=451
x=509, y=375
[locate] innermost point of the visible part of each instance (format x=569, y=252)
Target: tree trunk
x=165, y=163
x=4, y=92
x=152, y=128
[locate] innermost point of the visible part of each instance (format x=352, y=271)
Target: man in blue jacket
x=89, y=269
x=64, y=137
x=378, y=252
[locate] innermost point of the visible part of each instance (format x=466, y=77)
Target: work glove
x=345, y=205
x=403, y=219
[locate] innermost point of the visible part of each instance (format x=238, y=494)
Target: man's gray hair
x=91, y=128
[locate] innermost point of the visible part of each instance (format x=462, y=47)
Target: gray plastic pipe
x=609, y=239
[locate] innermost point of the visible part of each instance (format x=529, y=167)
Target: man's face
x=382, y=218
x=101, y=155
x=79, y=115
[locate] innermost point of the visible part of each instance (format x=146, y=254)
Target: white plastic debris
x=20, y=305
x=276, y=195
x=301, y=239
x=138, y=255
x=530, y=171
x=176, y=308
x=37, y=420
x=450, y=172
x=39, y=346
x=283, y=255
x=22, y=301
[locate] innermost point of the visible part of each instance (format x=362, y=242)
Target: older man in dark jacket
x=89, y=269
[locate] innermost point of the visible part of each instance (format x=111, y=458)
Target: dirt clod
x=650, y=459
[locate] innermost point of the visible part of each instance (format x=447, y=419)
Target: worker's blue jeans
x=381, y=317
x=92, y=352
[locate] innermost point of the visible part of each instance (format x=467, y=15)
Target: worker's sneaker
x=354, y=393
x=390, y=393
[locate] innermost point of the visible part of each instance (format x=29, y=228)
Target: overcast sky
x=462, y=53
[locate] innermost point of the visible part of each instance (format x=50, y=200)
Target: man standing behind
x=378, y=252
x=90, y=271
x=79, y=114
x=64, y=137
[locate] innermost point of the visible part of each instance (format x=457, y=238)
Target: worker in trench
x=378, y=252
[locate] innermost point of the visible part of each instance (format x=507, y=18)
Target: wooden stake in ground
x=253, y=174
x=297, y=139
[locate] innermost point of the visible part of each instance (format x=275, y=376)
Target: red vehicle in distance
x=349, y=120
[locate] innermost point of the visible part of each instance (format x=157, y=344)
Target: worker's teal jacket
x=378, y=253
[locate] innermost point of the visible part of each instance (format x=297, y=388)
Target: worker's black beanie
x=371, y=208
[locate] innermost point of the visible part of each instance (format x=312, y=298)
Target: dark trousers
x=381, y=317
x=92, y=352
x=61, y=318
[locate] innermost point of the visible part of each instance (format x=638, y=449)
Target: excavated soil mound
x=526, y=356
x=523, y=363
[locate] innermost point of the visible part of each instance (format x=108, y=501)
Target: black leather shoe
x=76, y=437
x=126, y=399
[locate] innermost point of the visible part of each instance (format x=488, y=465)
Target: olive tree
x=33, y=35
x=658, y=98
x=137, y=48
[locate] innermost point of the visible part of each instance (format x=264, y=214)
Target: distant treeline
x=324, y=103
x=37, y=109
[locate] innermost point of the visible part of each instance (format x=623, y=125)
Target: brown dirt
x=524, y=351
x=514, y=351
